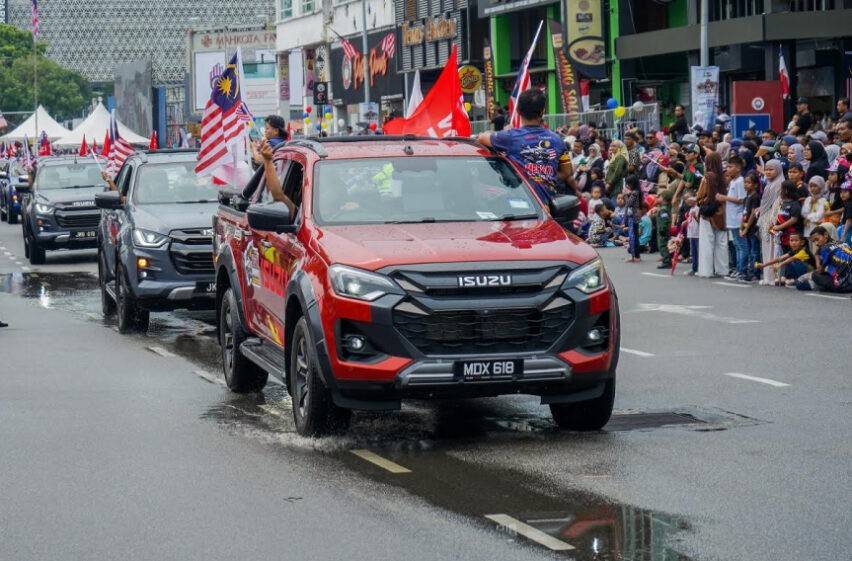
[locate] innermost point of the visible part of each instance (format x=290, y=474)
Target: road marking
x=25, y=268
x=529, y=532
x=735, y=285
x=692, y=311
x=209, y=377
x=659, y=275
x=767, y=381
x=828, y=296
x=637, y=353
x=9, y=253
x=381, y=462
x=160, y=351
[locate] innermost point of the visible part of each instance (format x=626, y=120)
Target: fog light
x=143, y=274
x=355, y=343
x=142, y=263
x=595, y=335
x=40, y=222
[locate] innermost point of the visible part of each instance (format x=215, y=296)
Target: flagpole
x=528, y=60
x=35, y=82
x=365, y=55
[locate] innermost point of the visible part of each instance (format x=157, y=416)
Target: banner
x=586, y=48
x=569, y=85
x=704, y=94
x=442, y=112
x=488, y=78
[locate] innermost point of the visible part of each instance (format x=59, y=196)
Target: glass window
x=420, y=189
x=286, y=9
x=307, y=6
x=173, y=183
x=69, y=176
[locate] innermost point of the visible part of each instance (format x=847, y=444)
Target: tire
x=131, y=319
x=26, y=244
x=589, y=415
x=35, y=253
x=107, y=303
x=241, y=374
x=314, y=412
x=12, y=216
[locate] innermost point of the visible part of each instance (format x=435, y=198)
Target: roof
x=94, y=127
x=380, y=146
x=45, y=124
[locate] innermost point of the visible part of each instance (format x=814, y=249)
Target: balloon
x=319, y=126
x=341, y=123
x=620, y=111
x=328, y=110
x=304, y=115
x=611, y=103
x=373, y=126
x=328, y=116
x=307, y=120
x=308, y=109
x=467, y=106
x=638, y=106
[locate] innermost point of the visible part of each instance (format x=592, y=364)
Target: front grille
x=71, y=219
x=192, y=260
x=478, y=331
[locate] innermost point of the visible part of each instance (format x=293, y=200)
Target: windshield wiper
x=196, y=202
x=79, y=187
x=517, y=217
x=425, y=220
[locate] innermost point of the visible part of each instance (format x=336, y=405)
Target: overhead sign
x=320, y=93
x=760, y=122
x=230, y=40
x=586, y=48
x=704, y=86
x=488, y=62
x=488, y=8
x=759, y=97
x=348, y=75
x=428, y=30
x=470, y=78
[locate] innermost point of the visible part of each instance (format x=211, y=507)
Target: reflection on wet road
x=425, y=438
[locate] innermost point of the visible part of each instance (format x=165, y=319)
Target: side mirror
x=274, y=217
x=225, y=196
x=108, y=200
x=24, y=186
x=565, y=208
x=4, y=175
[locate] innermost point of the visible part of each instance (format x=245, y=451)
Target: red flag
x=153, y=145
x=84, y=148
x=94, y=147
x=105, y=151
x=784, y=77
x=441, y=113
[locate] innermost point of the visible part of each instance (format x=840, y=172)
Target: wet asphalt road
x=129, y=447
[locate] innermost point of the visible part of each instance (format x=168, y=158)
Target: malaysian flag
x=388, y=44
x=349, y=50
x=221, y=125
x=35, y=18
x=27, y=159
x=244, y=114
x=522, y=83
x=119, y=149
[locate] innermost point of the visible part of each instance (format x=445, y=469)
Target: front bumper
x=66, y=239
x=160, y=287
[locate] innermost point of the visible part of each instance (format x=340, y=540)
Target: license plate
x=205, y=287
x=90, y=234
x=472, y=370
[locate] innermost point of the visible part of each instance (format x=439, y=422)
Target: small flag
x=94, y=147
x=105, y=151
x=84, y=148
x=349, y=49
x=35, y=18
x=26, y=155
x=416, y=96
x=783, y=76
x=153, y=144
x=522, y=83
x=44, y=148
x=388, y=44
x=119, y=149
x=243, y=113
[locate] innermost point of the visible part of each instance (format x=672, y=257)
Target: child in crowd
x=814, y=207
x=834, y=265
x=748, y=228
x=796, y=174
x=846, y=217
x=795, y=263
x=618, y=216
x=599, y=232
x=645, y=228
x=692, y=222
x=664, y=224
x=596, y=200
x=789, y=219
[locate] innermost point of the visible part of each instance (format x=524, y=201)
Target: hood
x=168, y=217
x=375, y=246
x=60, y=196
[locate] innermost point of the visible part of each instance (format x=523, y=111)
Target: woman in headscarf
x=832, y=151
x=712, y=235
x=766, y=215
x=617, y=169
x=817, y=159
x=724, y=150
x=796, y=155
x=594, y=160
x=748, y=158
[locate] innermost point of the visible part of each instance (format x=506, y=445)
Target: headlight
x=588, y=278
x=145, y=238
x=43, y=209
x=361, y=285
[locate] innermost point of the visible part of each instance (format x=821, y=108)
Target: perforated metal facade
x=92, y=36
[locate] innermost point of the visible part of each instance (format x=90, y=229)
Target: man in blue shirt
x=539, y=152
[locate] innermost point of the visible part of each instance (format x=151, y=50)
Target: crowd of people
x=773, y=208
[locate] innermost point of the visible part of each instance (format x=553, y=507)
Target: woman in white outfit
x=767, y=213
x=712, y=235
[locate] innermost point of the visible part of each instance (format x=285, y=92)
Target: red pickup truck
x=412, y=268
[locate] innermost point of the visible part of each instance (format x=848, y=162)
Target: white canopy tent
x=45, y=124
x=94, y=127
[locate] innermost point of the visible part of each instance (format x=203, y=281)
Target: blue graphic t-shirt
x=538, y=151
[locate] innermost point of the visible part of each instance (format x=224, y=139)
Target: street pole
x=366, y=54
x=35, y=89
x=705, y=23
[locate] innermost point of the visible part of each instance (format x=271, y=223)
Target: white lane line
x=25, y=268
x=658, y=275
x=529, y=532
x=692, y=311
x=8, y=253
x=637, y=353
x=209, y=377
x=383, y=463
x=827, y=296
x=160, y=351
x=735, y=285
x=767, y=381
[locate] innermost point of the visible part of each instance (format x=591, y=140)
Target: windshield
x=69, y=176
x=173, y=183
x=419, y=189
